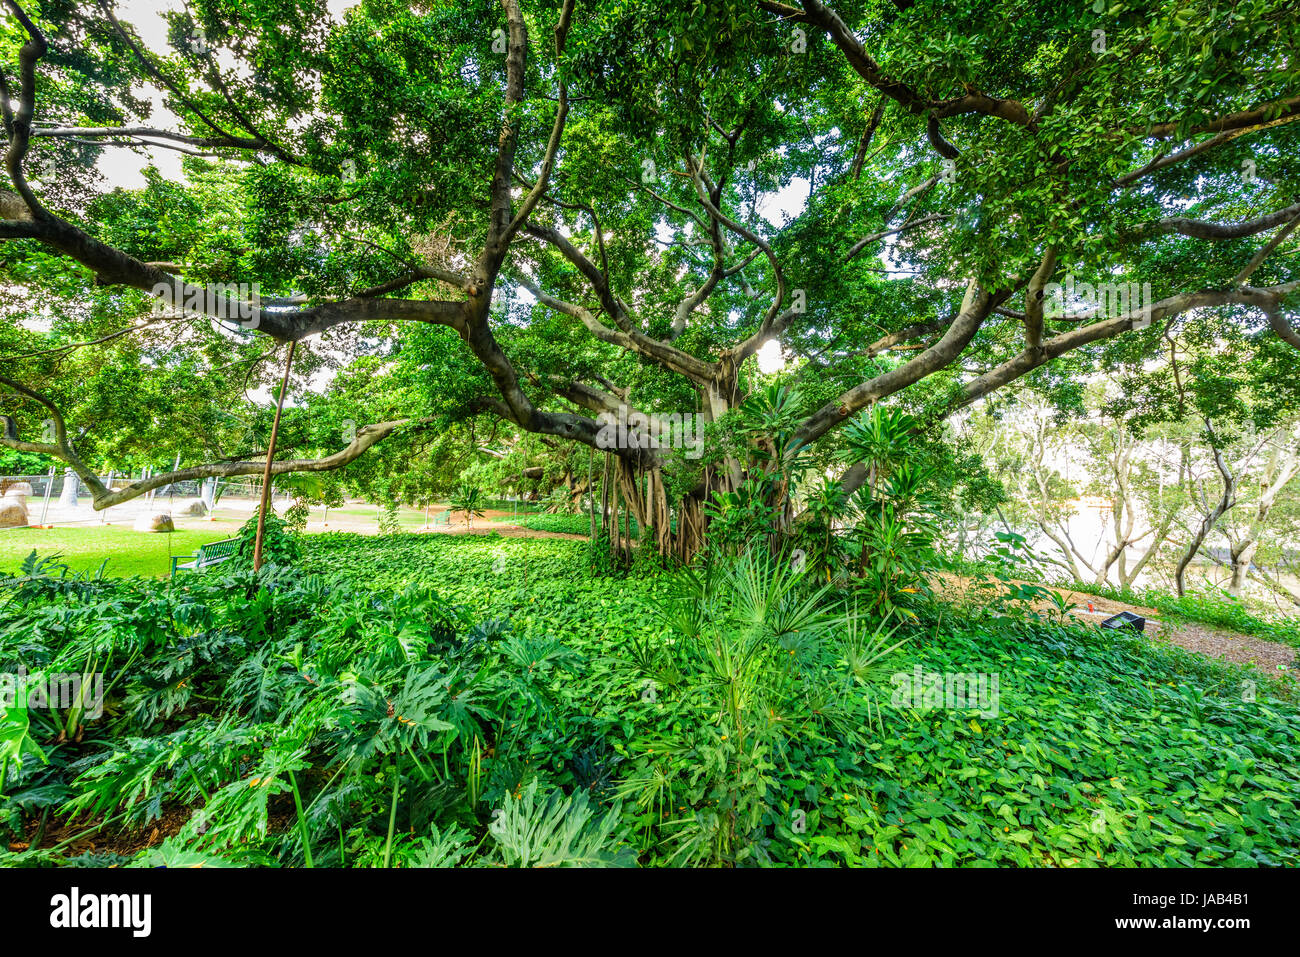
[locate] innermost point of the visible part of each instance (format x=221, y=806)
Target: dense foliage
x=431, y=700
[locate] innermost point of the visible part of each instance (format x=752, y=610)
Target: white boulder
x=157, y=522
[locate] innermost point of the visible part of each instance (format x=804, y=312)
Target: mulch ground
x=83, y=839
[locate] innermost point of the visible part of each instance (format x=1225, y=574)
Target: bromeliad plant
x=824, y=548
x=894, y=538
x=884, y=534
x=771, y=460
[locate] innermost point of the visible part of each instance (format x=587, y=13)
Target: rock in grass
x=157, y=522
x=13, y=513
x=192, y=506
x=19, y=488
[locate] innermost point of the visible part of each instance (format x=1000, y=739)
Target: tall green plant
x=469, y=500
x=280, y=543
x=894, y=532
x=758, y=667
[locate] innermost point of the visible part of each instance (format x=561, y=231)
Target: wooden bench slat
x=212, y=553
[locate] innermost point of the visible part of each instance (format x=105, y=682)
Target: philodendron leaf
x=558, y=831
x=15, y=736
x=171, y=854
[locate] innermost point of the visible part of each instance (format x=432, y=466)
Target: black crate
x=1126, y=619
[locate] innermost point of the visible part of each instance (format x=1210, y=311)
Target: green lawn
x=407, y=516
x=568, y=524
x=129, y=552
x=83, y=548
x=410, y=517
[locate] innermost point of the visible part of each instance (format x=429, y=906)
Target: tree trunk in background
x=1242, y=558
x=591, y=490
x=270, y=456
x=1226, y=501
x=615, y=542
x=1282, y=468
x=604, y=495
x=1161, y=532
x=720, y=396
x=644, y=496
x=1158, y=538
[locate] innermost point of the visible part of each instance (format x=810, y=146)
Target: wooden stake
x=270, y=455
x=591, y=490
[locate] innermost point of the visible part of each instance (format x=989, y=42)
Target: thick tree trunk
x=633, y=492
x=1198, y=539
x=721, y=395
x=604, y=495
x=1242, y=558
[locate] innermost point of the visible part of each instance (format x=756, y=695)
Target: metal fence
x=60, y=497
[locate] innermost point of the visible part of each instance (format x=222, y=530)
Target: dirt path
x=1269, y=656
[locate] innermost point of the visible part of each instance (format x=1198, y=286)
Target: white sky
x=122, y=167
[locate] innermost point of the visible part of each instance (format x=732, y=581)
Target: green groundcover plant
x=420, y=701
x=566, y=524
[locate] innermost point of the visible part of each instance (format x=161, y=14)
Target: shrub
x=280, y=543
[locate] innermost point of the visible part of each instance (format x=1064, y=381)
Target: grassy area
x=407, y=517
x=579, y=524
x=524, y=508
x=128, y=552
x=568, y=524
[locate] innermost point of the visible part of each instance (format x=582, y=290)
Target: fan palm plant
x=467, y=499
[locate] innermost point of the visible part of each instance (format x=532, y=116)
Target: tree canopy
x=542, y=212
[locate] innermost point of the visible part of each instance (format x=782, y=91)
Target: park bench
x=213, y=553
